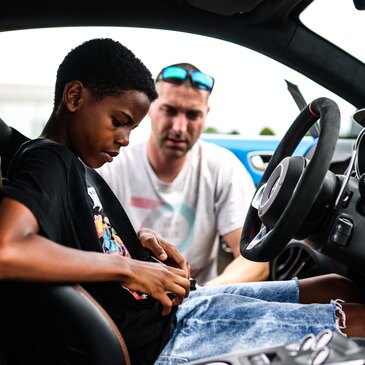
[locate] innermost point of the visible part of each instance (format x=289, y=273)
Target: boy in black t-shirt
x=56, y=227
x=102, y=93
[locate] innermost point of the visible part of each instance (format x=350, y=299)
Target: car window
x=250, y=96
x=343, y=24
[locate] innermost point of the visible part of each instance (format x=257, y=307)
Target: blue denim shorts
x=215, y=320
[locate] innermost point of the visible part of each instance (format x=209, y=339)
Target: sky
x=250, y=91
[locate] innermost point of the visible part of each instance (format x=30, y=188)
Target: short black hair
x=106, y=68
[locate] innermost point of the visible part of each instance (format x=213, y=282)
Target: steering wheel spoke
x=255, y=203
x=258, y=238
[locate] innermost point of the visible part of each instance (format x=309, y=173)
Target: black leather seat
x=10, y=140
x=53, y=324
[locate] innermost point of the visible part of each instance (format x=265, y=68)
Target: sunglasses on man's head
x=177, y=75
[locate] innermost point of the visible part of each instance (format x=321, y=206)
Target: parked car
x=255, y=153
x=255, y=50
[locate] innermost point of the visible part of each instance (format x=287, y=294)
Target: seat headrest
x=5, y=133
x=10, y=140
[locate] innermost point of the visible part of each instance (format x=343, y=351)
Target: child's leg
x=321, y=289
x=354, y=319
x=270, y=291
x=226, y=322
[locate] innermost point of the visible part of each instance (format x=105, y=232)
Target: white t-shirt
x=209, y=198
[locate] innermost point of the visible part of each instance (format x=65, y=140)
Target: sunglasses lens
x=172, y=74
x=178, y=75
x=202, y=81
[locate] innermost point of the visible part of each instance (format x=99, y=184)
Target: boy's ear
x=72, y=95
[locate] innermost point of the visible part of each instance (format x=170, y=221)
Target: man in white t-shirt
x=190, y=191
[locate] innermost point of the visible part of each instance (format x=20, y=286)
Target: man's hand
x=163, y=250
x=240, y=269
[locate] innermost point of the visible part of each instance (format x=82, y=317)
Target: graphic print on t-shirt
x=110, y=241
x=173, y=221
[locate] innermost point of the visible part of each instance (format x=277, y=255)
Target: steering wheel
x=290, y=185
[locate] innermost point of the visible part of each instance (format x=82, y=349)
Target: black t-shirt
x=60, y=191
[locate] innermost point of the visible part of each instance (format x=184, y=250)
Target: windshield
x=343, y=24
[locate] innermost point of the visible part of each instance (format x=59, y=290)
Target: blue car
x=255, y=153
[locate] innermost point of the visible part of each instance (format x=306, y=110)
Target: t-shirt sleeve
x=235, y=189
x=40, y=183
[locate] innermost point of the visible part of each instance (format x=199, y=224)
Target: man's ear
x=72, y=95
x=151, y=109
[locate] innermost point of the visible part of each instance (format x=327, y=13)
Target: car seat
x=10, y=140
x=53, y=324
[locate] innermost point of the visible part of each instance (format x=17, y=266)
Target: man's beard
x=175, y=151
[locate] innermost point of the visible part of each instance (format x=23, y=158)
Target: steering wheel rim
x=265, y=244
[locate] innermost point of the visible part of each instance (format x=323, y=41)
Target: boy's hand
x=163, y=250
x=165, y=283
